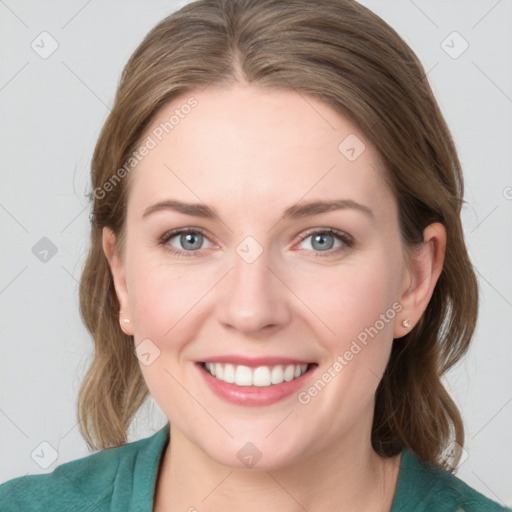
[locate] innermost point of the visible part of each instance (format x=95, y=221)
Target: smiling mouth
x=261, y=376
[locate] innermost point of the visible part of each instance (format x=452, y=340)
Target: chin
x=260, y=454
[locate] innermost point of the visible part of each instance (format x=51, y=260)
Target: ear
x=118, y=274
x=424, y=268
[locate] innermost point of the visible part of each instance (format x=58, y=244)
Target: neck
x=349, y=476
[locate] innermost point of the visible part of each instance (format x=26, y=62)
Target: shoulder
x=92, y=483
x=428, y=487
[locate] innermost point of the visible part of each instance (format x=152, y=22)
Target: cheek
x=166, y=308
x=161, y=296
x=358, y=301
x=359, y=305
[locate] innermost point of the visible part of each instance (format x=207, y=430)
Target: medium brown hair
x=344, y=55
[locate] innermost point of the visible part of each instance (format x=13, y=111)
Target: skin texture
x=251, y=153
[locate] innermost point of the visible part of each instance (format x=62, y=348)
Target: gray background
x=51, y=113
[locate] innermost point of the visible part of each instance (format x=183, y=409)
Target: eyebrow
x=296, y=211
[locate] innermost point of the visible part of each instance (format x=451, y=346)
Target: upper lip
x=254, y=362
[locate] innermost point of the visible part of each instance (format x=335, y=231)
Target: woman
x=297, y=344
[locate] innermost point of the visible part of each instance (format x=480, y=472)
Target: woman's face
x=253, y=284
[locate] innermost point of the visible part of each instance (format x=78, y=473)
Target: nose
x=254, y=298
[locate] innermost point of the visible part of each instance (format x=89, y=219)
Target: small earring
x=405, y=323
x=126, y=320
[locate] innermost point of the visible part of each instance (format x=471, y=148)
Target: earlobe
x=118, y=274
x=425, y=267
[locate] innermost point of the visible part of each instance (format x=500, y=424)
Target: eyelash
x=347, y=240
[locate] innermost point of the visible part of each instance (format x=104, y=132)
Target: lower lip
x=253, y=395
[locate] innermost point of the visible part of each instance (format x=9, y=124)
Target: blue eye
x=191, y=241
x=323, y=241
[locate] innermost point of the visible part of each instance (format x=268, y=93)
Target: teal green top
x=123, y=479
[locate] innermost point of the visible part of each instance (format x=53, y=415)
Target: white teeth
x=262, y=376
x=276, y=377
x=243, y=376
x=229, y=374
x=289, y=372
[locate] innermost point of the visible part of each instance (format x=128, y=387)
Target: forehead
x=255, y=148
